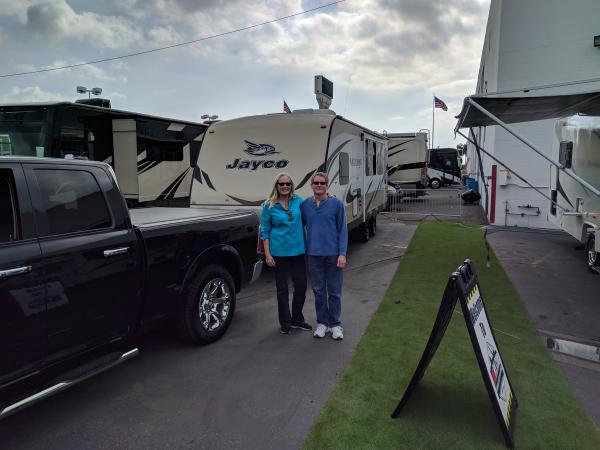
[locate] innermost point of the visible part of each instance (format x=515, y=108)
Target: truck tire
x=208, y=306
x=593, y=258
x=435, y=183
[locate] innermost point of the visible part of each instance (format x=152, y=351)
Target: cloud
x=162, y=36
x=92, y=71
x=57, y=20
x=32, y=94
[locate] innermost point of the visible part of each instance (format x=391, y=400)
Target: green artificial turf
x=450, y=407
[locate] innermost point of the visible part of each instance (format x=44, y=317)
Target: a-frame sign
x=463, y=286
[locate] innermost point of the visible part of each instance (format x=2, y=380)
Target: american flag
x=286, y=108
x=439, y=103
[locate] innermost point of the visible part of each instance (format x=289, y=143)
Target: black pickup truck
x=81, y=277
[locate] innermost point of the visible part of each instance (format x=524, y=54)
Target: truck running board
x=71, y=378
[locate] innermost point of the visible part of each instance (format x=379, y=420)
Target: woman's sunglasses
x=284, y=184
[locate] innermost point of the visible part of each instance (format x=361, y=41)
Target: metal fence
x=426, y=202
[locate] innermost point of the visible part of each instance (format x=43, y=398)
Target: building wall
x=531, y=43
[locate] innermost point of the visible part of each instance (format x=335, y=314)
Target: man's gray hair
x=319, y=174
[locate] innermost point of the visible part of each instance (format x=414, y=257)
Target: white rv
x=407, y=160
x=443, y=167
x=576, y=209
x=240, y=158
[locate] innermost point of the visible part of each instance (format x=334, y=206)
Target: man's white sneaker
x=320, y=331
x=337, y=333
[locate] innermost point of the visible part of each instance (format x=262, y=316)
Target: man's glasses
x=320, y=183
x=284, y=184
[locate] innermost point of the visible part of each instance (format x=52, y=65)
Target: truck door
x=23, y=343
x=91, y=256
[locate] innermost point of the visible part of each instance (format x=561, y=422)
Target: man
x=326, y=244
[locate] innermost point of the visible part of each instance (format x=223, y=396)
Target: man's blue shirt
x=286, y=237
x=326, y=231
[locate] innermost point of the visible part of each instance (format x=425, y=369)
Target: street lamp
x=83, y=90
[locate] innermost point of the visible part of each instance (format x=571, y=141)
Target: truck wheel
x=593, y=261
x=373, y=226
x=363, y=232
x=208, y=306
x=435, y=183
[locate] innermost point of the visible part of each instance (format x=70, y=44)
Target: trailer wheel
x=208, y=306
x=435, y=183
x=593, y=261
x=373, y=226
x=363, y=232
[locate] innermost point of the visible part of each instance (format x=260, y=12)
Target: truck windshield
x=23, y=132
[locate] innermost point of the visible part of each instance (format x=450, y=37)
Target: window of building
x=72, y=201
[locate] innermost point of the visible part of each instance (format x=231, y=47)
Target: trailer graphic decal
x=259, y=149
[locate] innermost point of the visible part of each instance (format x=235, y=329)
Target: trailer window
x=8, y=209
x=344, y=168
x=160, y=140
x=370, y=162
x=380, y=159
x=85, y=134
x=23, y=132
x=72, y=201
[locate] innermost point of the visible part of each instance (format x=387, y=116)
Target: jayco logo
x=258, y=150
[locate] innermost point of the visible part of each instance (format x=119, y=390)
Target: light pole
x=83, y=90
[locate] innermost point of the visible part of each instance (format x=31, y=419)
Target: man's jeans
x=326, y=280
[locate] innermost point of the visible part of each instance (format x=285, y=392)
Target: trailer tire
x=373, y=226
x=208, y=306
x=435, y=183
x=363, y=232
x=592, y=257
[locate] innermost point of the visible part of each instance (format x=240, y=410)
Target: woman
x=283, y=236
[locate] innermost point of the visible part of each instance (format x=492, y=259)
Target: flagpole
x=433, y=119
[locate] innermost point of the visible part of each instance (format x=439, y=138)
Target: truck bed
x=157, y=216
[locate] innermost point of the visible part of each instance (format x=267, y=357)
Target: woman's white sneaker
x=320, y=331
x=337, y=333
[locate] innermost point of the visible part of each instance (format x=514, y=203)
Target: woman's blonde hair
x=274, y=193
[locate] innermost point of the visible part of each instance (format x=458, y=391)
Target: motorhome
x=443, y=167
x=577, y=209
x=407, y=160
x=151, y=156
x=240, y=158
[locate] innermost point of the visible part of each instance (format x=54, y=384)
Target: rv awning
x=526, y=109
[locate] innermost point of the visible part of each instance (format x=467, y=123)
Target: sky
x=386, y=58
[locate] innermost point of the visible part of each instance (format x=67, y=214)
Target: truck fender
x=223, y=255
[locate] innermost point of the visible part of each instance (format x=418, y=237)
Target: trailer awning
x=526, y=109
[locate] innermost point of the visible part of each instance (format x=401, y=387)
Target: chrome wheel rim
x=214, y=304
